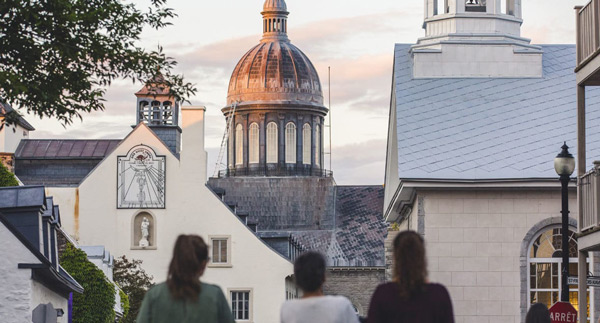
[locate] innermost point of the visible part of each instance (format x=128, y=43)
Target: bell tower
x=474, y=38
x=160, y=111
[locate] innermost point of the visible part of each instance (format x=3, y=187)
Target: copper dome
x=275, y=72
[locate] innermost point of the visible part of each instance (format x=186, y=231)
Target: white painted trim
x=250, y=304
x=227, y=264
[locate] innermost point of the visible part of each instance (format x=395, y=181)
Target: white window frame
x=212, y=262
x=253, y=143
x=290, y=143
x=553, y=260
x=250, y=302
x=318, y=145
x=306, y=143
x=231, y=145
x=239, y=144
x=272, y=142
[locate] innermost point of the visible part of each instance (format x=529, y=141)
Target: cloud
x=360, y=163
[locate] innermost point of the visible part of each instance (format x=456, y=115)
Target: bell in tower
x=160, y=111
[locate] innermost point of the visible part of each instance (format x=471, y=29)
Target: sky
x=355, y=38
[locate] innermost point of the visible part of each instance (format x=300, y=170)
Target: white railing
x=588, y=35
x=589, y=188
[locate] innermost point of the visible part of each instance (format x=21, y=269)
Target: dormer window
x=475, y=5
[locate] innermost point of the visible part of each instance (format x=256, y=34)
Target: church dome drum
x=275, y=112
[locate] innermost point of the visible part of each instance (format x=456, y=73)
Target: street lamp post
x=564, y=164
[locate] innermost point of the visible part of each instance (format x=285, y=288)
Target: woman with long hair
x=183, y=297
x=410, y=298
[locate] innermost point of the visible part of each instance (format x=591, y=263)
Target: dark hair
x=189, y=257
x=538, y=313
x=410, y=266
x=309, y=270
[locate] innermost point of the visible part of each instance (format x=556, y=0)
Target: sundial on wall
x=141, y=179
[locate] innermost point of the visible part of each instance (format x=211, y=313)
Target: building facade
x=136, y=195
x=274, y=174
x=477, y=116
x=35, y=288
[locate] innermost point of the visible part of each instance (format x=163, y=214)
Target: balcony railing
x=590, y=190
x=588, y=35
x=277, y=171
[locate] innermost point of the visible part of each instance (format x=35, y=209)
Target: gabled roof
x=489, y=128
x=65, y=148
x=22, y=197
x=6, y=108
x=55, y=279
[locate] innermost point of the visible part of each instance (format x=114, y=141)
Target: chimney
x=193, y=155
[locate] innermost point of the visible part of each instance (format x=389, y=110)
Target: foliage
x=6, y=177
x=59, y=56
x=97, y=302
x=124, y=305
x=394, y=227
x=134, y=281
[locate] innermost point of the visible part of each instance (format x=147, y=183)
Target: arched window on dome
x=318, y=145
x=544, y=267
x=272, y=142
x=306, y=144
x=239, y=144
x=253, y=144
x=230, y=145
x=290, y=143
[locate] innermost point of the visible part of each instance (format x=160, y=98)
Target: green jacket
x=159, y=307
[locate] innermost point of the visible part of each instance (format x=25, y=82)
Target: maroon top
x=433, y=305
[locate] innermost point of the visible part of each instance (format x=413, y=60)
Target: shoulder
x=157, y=290
x=211, y=289
x=387, y=288
x=438, y=291
x=438, y=288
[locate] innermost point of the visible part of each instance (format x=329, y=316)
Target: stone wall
x=475, y=242
x=295, y=203
x=355, y=283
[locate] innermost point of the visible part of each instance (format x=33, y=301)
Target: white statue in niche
x=145, y=232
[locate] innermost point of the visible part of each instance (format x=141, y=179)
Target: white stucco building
x=135, y=196
x=477, y=116
x=35, y=288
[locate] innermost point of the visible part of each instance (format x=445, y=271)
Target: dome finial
x=275, y=20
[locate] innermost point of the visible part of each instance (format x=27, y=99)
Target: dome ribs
x=235, y=77
x=254, y=72
x=289, y=50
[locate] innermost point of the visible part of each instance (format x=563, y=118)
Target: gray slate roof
x=492, y=128
x=65, y=149
x=59, y=162
x=342, y=222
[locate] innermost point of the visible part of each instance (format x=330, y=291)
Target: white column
x=518, y=9
x=429, y=8
x=493, y=6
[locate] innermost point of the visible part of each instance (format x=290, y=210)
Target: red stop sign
x=563, y=312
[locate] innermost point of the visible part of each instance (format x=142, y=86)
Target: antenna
x=329, y=95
